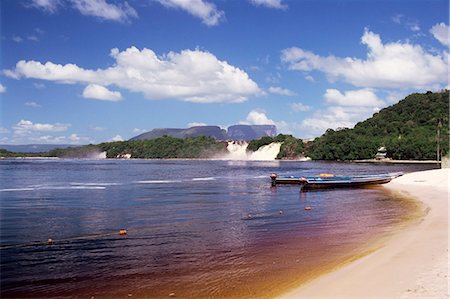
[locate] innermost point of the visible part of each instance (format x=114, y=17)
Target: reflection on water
x=195, y=228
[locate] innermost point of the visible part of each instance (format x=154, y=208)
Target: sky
x=91, y=71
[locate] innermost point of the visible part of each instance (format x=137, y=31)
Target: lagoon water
x=195, y=228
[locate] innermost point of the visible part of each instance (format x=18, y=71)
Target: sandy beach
x=413, y=263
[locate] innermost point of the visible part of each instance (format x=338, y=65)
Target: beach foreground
x=411, y=264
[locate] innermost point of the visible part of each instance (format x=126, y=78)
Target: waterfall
x=266, y=152
x=237, y=150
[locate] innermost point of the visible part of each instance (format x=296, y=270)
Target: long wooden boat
x=333, y=181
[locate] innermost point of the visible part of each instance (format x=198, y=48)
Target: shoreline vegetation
x=416, y=128
x=413, y=263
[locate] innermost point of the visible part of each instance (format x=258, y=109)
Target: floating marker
x=122, y=232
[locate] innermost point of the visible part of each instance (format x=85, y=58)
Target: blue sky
x=80, y=71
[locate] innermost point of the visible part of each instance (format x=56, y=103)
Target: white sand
x=412, y=264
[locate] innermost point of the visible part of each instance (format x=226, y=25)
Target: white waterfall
x=266, y=152
x=237, y=150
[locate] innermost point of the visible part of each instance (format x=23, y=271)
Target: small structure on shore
x=381, y=154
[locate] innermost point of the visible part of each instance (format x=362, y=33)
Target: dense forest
x=407, y=129
x=165, y=147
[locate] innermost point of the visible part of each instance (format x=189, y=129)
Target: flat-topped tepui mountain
x=235, y=132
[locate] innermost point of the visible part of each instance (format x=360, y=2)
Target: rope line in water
x=121, y=232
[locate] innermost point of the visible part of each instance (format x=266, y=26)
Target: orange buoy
x=50, y=241
x=308, y=208
x=122, y=232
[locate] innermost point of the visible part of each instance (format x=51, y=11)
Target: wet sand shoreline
x=411, y=264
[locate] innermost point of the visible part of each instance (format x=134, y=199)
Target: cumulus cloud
x=256, y=117
x=361, y=97
x=269, y=3
x=346, y=109
x=389, y=65
x=98, y=92
x=335, y=117
x=281, y=91
x=191, y=75
x=139, y=131
x=120, y=12
x=300, y=107
x=441, y=32
x=24, y=127
x=116, y=138
x=204, y=10
x=2, y=88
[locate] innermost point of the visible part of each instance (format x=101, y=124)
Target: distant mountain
x=250, y=132
x=210, y=131
x=34, y=148
x=236, y=132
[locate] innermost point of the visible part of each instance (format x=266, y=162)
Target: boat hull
x=344, y=184
x=320, y=182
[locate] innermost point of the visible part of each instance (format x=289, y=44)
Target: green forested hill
x=407, y=129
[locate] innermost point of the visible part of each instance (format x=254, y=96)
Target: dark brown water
x=196, y=229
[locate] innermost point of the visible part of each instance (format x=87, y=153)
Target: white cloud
x=2, y=88
x=17, y=39
x=361, y=97
x=49, y=139
x=259, y=117
x=98, y=92
x=116, y=138
x=414, y=27
x=139, y=131
x=32, y=104
x=281, y=91
x=49, y=6
x=204, y=10
x=335, y=117
x=196, y=124
x=120, y=12
x=310, y=78
x=397, y=18
x=256, y=117
x=346, y=109
x=390, y=65
x=33, y=38
x=191, y=75
x=269, y=3
x=441, y=32
x=300, y=107
x=39, y=85
x=24, y=127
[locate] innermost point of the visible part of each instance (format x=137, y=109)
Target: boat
x=333, y=181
